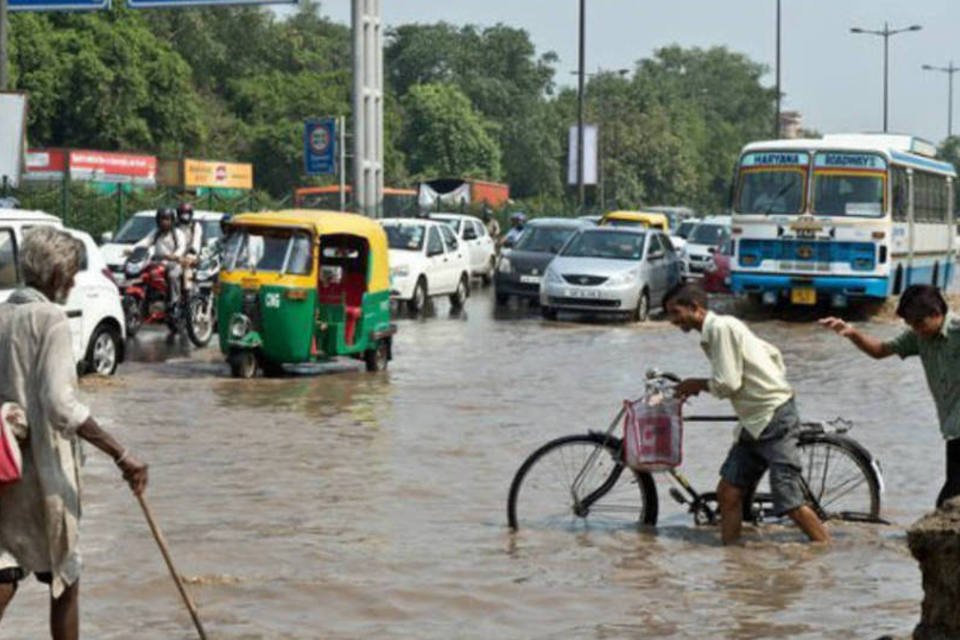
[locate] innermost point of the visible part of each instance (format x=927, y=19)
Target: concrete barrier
x=934, y=540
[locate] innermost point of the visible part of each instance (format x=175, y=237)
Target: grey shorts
x=776, y=450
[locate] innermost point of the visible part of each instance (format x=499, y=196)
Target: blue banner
x=58, y=5
x=775, y=159
x=173, y=4
x=320, y=146
x=843, y=160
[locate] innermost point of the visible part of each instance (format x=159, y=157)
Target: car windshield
x=605, y=244
x=629, y=224
x=544, y=239
x=709, y=234
x=453, y=223
x=275, y=250
x=135, y=229
x=406, y=237
x=685, y=229
x=211, y=230
x=771, y=191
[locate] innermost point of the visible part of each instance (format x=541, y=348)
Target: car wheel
x=419, y=299
x=103, y=352
x=502, y=299
x=459, y=297
x=642, y=312
x=548, y=313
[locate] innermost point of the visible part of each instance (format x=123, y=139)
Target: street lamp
x=581, y=191
x=776, y=125
x=949, y=70
x=886, y=33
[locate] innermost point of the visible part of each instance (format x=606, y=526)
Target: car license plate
x=530, y=279
x=803, y=295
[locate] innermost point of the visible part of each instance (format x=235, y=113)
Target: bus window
x=848, y=194
x=771, y=191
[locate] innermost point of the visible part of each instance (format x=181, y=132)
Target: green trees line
x=237, y=83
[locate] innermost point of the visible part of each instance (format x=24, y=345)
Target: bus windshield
x=771, y=191
x=849, y=184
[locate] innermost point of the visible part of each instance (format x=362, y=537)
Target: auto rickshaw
x=303, y=286
x=636, y=219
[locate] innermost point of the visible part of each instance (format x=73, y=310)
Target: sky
x=832, y=77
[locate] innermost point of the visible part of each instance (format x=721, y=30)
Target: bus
x=396, y=202
x=847, y=216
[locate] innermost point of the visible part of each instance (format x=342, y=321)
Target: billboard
x=13, y=131
x=46, y=164
x=57, y=5
x=223, y=175
x=589, y=155
x=106, y=166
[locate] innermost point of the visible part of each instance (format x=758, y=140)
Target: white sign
x=589, y=155
x=13, y=131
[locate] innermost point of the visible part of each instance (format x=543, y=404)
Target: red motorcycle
x=145, y=297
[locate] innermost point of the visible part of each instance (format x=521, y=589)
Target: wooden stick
x=173, y=571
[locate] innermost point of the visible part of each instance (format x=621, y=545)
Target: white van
x=136, y=229
x=94, y=309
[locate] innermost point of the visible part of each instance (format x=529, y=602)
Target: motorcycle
x=200, y=301
x=145, y=299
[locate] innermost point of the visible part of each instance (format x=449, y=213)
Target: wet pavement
x=364, y=505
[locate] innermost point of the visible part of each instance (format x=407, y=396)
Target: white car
x=709, y=234
x=136, y=228
x=93, y=307
x=426, y=259
x=480, y=246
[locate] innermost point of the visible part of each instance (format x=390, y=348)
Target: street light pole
x=950, y=69
x=581, y=190
x=776, y=124
x=4, y=34
x=885, y=34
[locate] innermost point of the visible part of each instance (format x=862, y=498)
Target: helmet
x=225, y=222
x=518, y=217
x=185, y=213
x=166, y=213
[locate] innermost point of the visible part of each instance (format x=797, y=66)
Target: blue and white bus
x=846, y=216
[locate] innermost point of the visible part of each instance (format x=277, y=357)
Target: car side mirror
x=106, y=236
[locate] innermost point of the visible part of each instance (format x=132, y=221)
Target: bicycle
x=841, y=479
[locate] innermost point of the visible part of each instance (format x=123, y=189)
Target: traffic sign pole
x=3, y=45
x=341, y=122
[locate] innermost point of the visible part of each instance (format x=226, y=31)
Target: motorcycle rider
x=517, y=220
x=168, y=247
x=192, y=233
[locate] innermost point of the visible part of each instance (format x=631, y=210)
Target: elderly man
x=39, y=514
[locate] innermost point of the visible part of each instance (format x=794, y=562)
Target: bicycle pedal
x=676, y=495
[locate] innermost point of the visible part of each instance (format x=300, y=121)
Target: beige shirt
x=746, y=370
x=39, y=515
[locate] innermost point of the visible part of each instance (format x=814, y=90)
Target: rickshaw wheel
x=377, y=359
x=243, y=364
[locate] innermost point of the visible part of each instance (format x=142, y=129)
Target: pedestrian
x=750, y=373
x=492, y=224
x=934, y=335
x=40, y=513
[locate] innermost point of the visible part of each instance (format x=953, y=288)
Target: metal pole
x=950, y=73
x=4, y=34
x=581, y=191
x=776, y=124
x=342, y=124
x=886, y=72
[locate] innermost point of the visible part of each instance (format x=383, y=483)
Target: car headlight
x=625, y=277
x=400, y=272
x=552, y=276
x=505, y=266
x=239, y=326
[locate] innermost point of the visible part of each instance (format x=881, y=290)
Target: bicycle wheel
x=578, y=481
x=840, y=477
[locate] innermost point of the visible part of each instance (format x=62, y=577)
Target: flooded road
x=373, y=505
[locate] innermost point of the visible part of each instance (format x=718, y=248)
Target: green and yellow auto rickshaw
x=303, y=286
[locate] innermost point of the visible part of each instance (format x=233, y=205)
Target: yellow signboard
x=225, y=175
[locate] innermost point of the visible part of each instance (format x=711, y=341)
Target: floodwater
x=373, y=505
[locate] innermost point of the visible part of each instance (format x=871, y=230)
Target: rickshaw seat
x=349, y=292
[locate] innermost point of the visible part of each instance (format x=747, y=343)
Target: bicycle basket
x=652, y=433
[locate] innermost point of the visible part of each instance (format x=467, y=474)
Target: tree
x=445, y=137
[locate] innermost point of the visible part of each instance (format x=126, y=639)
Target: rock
x=934, y=540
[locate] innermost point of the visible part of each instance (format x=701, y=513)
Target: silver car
x=610, y=270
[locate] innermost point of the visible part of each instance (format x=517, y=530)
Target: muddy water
x=358, y=506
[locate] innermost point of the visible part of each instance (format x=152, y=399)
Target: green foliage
x=445, y=137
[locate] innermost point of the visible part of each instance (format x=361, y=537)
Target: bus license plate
x=803, y=295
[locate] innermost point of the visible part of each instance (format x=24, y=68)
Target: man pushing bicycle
x=750, y=373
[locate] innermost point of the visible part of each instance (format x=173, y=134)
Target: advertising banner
x=13, y=130
x=173, y=4
x=46, y=165
x=225, y=175
x=589, y=155
x=105, y=166
x=57, y=5
x=320, y=146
